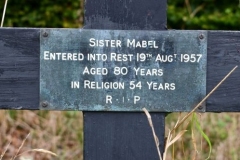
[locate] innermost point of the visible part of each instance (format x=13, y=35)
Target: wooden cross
x=115, y=135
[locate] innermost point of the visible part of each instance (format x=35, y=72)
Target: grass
x=172, y=137
x=61, y=133
x=57, y=132
x=221, y=128
x=4, y=11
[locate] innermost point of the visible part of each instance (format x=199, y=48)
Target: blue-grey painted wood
x=19, y=68
x=223, y=55
x=122, y=135
x=126, y=14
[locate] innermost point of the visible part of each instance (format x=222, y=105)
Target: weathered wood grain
x=121, y=136
x=111, y=135
x=19, y=68
x=223, y=55
x=126, y=14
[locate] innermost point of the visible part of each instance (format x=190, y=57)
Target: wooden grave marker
x=52, y=69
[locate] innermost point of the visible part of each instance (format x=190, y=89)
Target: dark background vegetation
x=182, y=14
x=43, y=13
x=204, y=14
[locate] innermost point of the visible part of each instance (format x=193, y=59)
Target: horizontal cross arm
x=20, y=68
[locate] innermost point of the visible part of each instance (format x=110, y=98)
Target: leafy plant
x=44, y=13
x=204, y=14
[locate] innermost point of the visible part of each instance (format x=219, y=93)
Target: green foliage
x=12, y=114
x=204, y=14
x=196, y=123
x=43, y=13
x=182, y=14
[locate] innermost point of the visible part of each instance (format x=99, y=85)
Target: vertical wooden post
x=123, y=135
